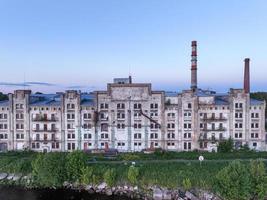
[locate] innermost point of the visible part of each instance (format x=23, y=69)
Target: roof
x=87, y=99
x=255, y=102
x=171, y=94
x=45, y=100
x=4, y=103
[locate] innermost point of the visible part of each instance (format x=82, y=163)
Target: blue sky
x=54, y=45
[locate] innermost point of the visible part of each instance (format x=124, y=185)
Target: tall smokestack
x=194, y=66
x=246, y=76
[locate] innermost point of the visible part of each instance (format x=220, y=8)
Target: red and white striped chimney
x=194, y=66
x=246, y=76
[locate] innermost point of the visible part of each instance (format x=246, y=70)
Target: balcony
x=46, y=130
x=210, y=139
x=213, y=119
x=44, y=119
x=213, y=129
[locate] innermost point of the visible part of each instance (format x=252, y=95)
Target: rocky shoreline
x=133, y=192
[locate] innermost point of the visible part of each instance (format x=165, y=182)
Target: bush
x=86, y=176
x=258, y=179
x=226, y=146
x=233, y=182
x=187, y=184
x=49, y=169
x=133, y=174
x=110, y=177
x=76, y=161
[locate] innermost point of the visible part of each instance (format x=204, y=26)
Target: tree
x=258, y=179
x=133, y=174
x=49, y=169
x=76, y=161
x=226, y=146
x=233, y=182
x=110, y=177
x=3, y=97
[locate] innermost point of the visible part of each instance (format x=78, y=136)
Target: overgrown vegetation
x=239, y=180
x=3, y=97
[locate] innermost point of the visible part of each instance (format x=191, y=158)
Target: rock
x=3, y=176
x=157, y=194
x=108, y=192
x=10, y=176
x=102, y=186
x=167, y=194
x=135, y=188
x=207, y=196
x=17, y=177
x=88, y=187
x=191, y=196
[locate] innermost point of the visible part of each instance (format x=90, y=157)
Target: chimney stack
x=194, y=66
x=246, y=76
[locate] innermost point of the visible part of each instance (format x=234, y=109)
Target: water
x=17, y=193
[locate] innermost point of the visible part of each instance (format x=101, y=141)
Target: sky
x=55, y=45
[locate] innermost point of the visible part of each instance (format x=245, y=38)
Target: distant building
x=131, y=116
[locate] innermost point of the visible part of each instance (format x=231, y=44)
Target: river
x=17, y=193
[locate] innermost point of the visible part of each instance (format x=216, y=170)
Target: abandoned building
x=131, y=116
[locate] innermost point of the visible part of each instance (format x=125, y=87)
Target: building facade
x=131, y=117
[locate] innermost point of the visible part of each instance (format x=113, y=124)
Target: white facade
x=130, y=117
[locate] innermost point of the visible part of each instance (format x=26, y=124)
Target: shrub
x=226, y=146
x=49, y=169
x=76, y=161
x=110, y=177
x=133, y=174
x=186, y=184
x=130, y=157
x=233, y=182
x=86, y=176
x=258, y=179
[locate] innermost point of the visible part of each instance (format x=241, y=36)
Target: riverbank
x=142, y=179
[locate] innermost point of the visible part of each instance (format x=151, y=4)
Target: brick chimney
x=246, y=76
x=194, y=66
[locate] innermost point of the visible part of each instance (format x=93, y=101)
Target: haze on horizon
x=51, y=46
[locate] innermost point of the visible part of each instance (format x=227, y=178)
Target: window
x=189, y=105
x=137, y=136
x=120, y=106
x=104, y=136
x=137, y=106
x=187, y=135
x=104, y=127
x=103, y=106
x=71, y=146
x=171, y=135
x=153, y=136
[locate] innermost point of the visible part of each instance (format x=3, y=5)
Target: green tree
x=110, y=177
x=226, y=146
x=258, y=179
x=133, y=174
x=233, y=182
x=49, y=169
x=76, y=161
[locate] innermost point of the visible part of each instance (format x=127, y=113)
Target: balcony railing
x=213, y=119
x=45, y=130
x=43, y=119
x=212, y=138
x=214, y=129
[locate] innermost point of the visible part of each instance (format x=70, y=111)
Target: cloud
x=40, y=83
x=80, y=87
x=26, y=84
x=14, y=84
